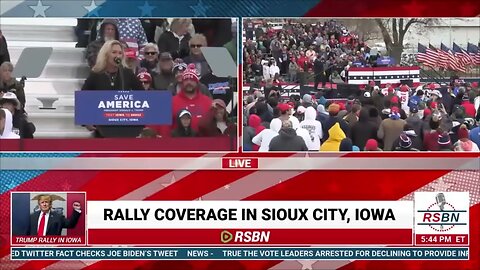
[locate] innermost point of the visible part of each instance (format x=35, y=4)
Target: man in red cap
x=191, y=98
x=146, y=80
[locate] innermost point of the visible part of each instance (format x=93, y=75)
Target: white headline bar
x=250, y=214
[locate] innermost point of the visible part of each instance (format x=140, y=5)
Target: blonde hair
x=150, y=46
x=176, y=23
x=198, y=38
x=6, y=66
x=47, y=197
x=102, y=57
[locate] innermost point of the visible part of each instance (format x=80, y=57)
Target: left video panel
x=164, y=84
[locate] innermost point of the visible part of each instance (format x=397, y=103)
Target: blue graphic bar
x=199, y=253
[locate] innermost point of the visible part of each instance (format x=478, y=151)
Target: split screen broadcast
x=256, y=84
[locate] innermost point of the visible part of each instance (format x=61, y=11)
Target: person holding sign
x=111, y=73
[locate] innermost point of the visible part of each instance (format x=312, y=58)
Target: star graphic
x=92, y=9
x=200, y=9
x=226, y=187
x=66, y=186
x=307, y=265
x=441, y=185
x=171, y=181
x=39, y=9
x=146, y=10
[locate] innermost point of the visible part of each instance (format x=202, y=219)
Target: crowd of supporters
x=163, y=55
x=433, y=118
x=296, y=52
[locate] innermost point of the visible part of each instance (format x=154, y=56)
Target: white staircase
x=64, y=73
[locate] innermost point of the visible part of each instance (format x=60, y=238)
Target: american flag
x=472, y=50
x=427, y=56
x=463, y=56
x=453, y=62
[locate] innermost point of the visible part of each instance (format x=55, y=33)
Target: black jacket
x=4, y=55
x=161, y=81
x=363, y=130
x=16, y=87
x=56, y=223
x=26, y=128
x=287, y=140
x=167, y=42
x=417, y=143
x=102, y=81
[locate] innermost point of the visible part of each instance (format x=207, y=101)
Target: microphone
x=117, y=60
x=441, y=200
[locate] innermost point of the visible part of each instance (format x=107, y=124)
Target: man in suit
x=47, y=222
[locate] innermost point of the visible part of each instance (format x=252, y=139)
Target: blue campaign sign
x=385, y=61
x=123, y=108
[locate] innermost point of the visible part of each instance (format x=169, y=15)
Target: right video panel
x=388, y=84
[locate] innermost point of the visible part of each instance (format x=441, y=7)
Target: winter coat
x=336, y=135
x=287, y=140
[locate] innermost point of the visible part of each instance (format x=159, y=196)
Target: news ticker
x=432, y=219
x=199, y=253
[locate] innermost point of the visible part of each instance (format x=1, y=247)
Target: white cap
x=10, y=96
x=301, y=109
x=183, y=113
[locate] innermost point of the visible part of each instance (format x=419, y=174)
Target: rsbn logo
x=442, y=215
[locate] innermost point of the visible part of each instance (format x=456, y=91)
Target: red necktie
x=41, y=226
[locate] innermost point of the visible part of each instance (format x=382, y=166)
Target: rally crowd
x=433, y=118
x=295, y=52
x=126, y=54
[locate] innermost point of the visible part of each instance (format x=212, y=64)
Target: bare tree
x=366, y=29
x=393, y=32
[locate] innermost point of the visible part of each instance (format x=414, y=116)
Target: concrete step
x=38, y=32
x=52, y=86
x=39, y=21
x=63, y=134
x=54, y=121
x=64, y=103
x=71, y=70
x=60, y=55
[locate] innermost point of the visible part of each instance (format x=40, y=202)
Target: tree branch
x=385, y=34
x=395, y=31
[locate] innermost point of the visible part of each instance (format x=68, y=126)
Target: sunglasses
x=150, y=53
x=196, y=46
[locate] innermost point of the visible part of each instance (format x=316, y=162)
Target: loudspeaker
x=304, y=89
x=407, y=82
x=346, y=90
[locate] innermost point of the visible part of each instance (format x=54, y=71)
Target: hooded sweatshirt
x=335, y=137
x=363, y=130
x=264, y=138
x=254, y=127
x=8, y=130
x=287, y=140
x=198, y=106
x=313, y=127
